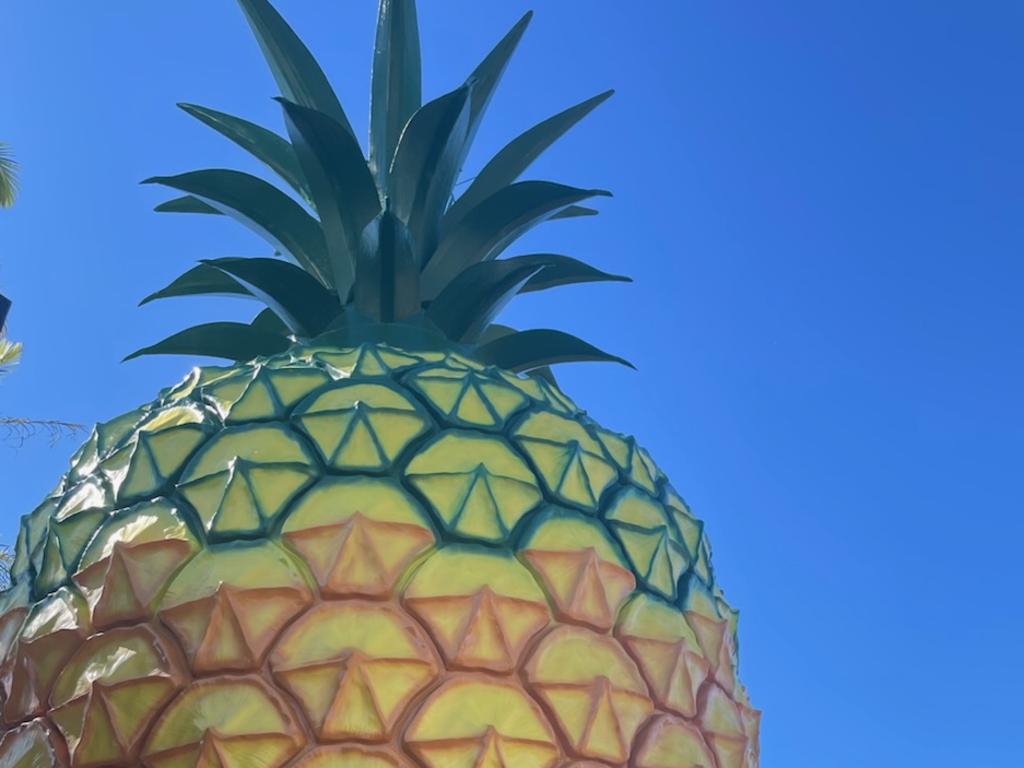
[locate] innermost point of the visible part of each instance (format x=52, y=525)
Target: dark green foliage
x=186, y=204
x=381, y=243
x=506, y=166
x=387, y=288
x=528, y=350
x=262, y=208
x=493, y=225
x=395, y=84
x=265, y=145
x=297, y=74
x=343, y=189
x=201, y=280
x=426, y=165
x=303, y=304
x=233, y=341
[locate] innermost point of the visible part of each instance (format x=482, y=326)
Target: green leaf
x=485, y=78
x=262, y=208
x=565, y=270
x=346, y=197
x=294, y=295
x=297, y=74
x=233, y=341
x=396, y=82
x=494, y=331
x=266, y=146
x=426, y=164
x=201, y=280
x=387, y=280
x=268, y=322
x=497, y=331
x=8, y=177
x=186, y=204
x=528, y=350
x=575, y=212
x=469, y=302
x=506, y=166
x=494, y=224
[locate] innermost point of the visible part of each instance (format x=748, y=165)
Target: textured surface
x=371, y=558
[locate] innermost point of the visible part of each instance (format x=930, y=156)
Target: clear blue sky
x=821, y=203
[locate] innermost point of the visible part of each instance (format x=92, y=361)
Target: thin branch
x=17, y=430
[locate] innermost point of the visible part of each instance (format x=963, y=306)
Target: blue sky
x=821, y=204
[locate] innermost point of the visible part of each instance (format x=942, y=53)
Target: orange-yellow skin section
x=370, y=558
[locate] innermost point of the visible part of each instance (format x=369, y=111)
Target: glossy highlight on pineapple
x=381, y=536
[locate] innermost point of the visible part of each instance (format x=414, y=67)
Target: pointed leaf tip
x=229, y=340
x=526, y=350
x=296, y=71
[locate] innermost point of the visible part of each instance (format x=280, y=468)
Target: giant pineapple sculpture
x=382, y=536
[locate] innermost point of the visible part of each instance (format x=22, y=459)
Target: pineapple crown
x=380, y=248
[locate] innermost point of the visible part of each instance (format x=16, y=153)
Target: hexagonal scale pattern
x=368, y=557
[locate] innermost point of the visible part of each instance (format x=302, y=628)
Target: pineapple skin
x=367, y=557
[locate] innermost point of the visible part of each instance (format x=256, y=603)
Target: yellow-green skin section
x=367, y=557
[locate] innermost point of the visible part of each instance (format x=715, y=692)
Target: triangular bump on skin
x=602, y=736
x=224, y=645
x=354, y=712
x=670, y=742
x=359, y=556
x=191, y=623
x=359, y=559
x=99, y=734
x=141, y=570
x=453, y=622
x=478, y=514
x=359, y=444
x=120, y=599
x=574, y=483
x=209, y=753
x=473, y=407
x=490, y=752
x=589, y=598
x=483, y=640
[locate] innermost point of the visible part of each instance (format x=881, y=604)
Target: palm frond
x=8, y=176
x=10, y=351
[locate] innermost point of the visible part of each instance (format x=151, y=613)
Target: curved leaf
x=491, y=226
x=297, y=74
x=484, y=79
x=516, y=156
x=266, y=146
x=469, y=302
x=496, y=331
x=186, y=204
x=346, y=197
x=565, y=270
x=575, y=212
x=426, y=164
x=268, y=322
x=233, y=341
x=261, y=207
x=387, y=279
x=528, y=350
x=201, y=280
x=293, y=294
x=396, y=82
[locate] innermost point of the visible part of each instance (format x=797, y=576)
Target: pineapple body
x=367, y=557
